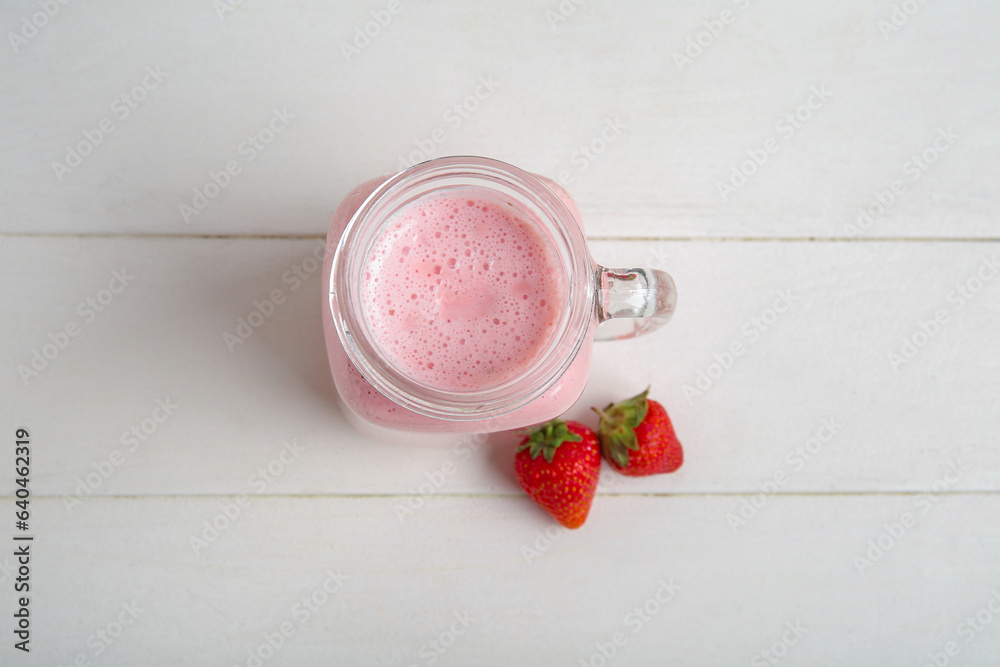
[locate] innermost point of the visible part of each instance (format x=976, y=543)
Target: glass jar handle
x=633, y=302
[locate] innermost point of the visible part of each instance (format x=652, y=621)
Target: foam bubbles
x=457, y=267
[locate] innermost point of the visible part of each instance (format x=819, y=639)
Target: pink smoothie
x=460, y=292
x=366, y=407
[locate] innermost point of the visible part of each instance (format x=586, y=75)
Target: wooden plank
x=190, y=498
x=825, y=361
x=526, y=598
x=601, y=100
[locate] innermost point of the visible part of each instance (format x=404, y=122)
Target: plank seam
x=650, y=494
x=711, y=239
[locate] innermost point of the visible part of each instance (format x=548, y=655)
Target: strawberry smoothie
x=460, y=292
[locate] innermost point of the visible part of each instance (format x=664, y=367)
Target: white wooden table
x=164, y=165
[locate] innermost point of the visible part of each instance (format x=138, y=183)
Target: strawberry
x=558, y=465
x=637, y=437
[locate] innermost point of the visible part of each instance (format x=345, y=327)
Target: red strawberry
x=638, y=439
x=558, y=466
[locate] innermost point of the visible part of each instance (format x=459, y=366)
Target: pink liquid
x=365, y=406
x=461, y=292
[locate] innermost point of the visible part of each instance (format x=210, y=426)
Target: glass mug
x=372, y=353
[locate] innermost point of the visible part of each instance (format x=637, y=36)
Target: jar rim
x=544, y=207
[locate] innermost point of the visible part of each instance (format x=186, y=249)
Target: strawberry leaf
x=547, y=438
x=617, y=428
